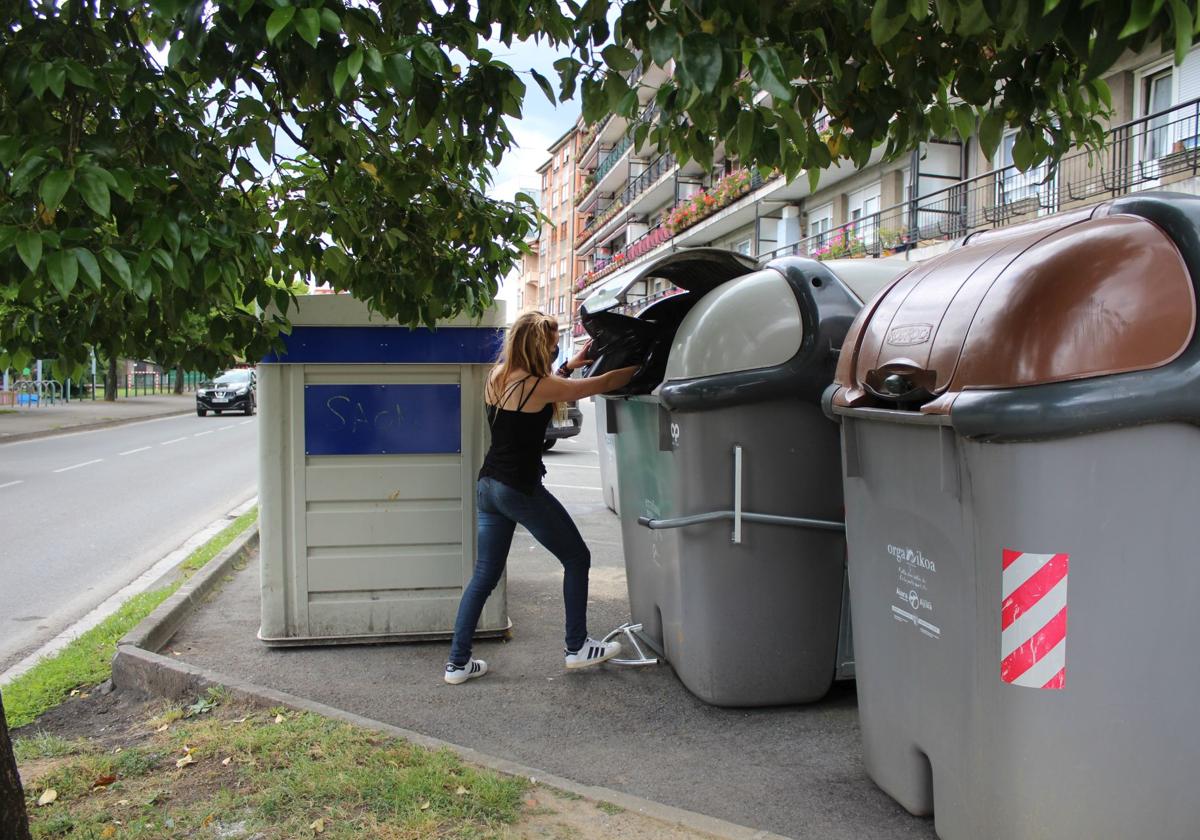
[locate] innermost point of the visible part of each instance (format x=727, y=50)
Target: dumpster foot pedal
x=627, y=635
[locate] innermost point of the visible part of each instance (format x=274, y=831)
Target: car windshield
x=233, y=377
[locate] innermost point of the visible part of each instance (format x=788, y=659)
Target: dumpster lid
x=695, y=270
x=867, y=277
x=1083, y=295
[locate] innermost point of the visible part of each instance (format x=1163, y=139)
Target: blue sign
x=382, y=345
x=382, y=419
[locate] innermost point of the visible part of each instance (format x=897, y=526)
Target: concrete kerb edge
x=90, y=427
x=156, y=629
x=154, y=674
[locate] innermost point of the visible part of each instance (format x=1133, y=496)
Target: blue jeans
x=500, y=510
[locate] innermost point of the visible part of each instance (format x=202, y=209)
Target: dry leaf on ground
x=185, y=761
x=104, y=781
x=48, y=796
x=225, y=762
x=318, y=825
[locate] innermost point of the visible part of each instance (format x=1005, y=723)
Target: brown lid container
x=1079, y=295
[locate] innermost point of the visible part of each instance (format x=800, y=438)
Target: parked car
x=570, y=426
x=234, y=390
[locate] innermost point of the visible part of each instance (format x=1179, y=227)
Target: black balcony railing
x=1152, y=151
x=649, y=176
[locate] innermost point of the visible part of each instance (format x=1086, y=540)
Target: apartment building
x=636, y=205
x=556, y=266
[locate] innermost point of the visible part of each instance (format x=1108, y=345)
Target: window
x=744, y=246
x=1157, y=96
x=820, y=220
x=561, y=309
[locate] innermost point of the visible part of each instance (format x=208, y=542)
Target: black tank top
x=515, y=456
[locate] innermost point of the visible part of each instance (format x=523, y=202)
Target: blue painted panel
x=381, y=345
x=382, y=419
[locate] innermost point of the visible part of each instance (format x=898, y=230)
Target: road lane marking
x=201, y=434
x=77, y=466
x=571, y=486
x=244, y=422
x=169, y=442
x=571, y=466
x=12, y=483
x=132, y=451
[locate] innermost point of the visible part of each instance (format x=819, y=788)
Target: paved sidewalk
x=796, y=771
x=24, y=422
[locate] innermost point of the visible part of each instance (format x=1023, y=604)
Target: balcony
x=1152, y=152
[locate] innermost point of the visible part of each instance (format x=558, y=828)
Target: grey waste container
x=728, y=472
x=606, y=449
x=1019, y=415
x=370, y=437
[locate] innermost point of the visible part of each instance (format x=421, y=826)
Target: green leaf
x=354, y=62
x=94, y=192
x=745, y=134
x=308, y=25
x=56, y=80
x=664, y=43
x=886, y=23
x=544, y=84
x=619, y=58
x=1141, y=15
x=55, y=186
x=10, y=150
x=91, y=268
x=25, y=172
x=122, y=183
x=142, y=285
x=964, y=121
x=918, y=10
x=766, y=69
x=330, y=21
x=80, y=75
x=1023, y=151
x=399, y=71
x=118, y=268
x=340, y=74
x=29, y=249
x=279, y=20
x=1182, y=19
x=991, y=129
x=63, y=271
x=702, y=59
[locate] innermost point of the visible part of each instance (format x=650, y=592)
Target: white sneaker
x=592, y=653
x=457, y=674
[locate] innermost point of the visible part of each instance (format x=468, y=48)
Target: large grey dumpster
x=730, y=495
x=370, y=437
x=1016, y=415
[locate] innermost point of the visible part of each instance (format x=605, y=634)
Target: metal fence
x=1152, y=152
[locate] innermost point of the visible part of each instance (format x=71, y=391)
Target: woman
x=520, y=399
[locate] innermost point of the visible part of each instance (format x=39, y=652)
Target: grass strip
x=87, y=661
x=238, y=772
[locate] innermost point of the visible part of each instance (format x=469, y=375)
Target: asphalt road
x=86, y=513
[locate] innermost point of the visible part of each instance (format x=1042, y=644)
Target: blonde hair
x=531, y=345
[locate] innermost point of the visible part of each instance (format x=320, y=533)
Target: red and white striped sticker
x=1033, y=620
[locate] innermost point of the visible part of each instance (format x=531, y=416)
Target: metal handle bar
x=719, y=515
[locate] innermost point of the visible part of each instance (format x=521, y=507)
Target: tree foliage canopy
x=175, y=165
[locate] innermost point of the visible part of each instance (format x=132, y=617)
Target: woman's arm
x=557, y=389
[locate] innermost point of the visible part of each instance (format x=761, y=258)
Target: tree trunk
x=110, y=379
x=179, y=379
x=14, y=822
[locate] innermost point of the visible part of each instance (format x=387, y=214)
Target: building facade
x=556, y=268
x=636, y=205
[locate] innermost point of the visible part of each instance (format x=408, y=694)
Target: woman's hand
x=619, y=378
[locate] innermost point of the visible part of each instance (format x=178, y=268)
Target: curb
x=152, y=673
x=89, y=427
x=137, y=667
x=156, y=629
